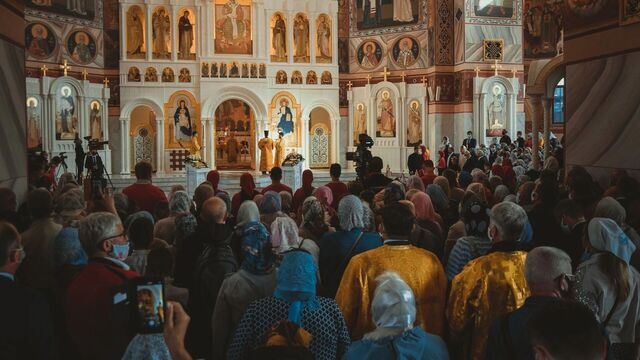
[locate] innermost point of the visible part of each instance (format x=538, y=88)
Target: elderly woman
x=284, y=237
x=294, y=299
x=415, y=182
x=427, y=220
x=255, y=280
x=313, y=225
x=247, y=214
x=610, y=287
x=325, y=196
x=393, y=311
x=475, y=216
x=610, y=208
x=336, y=249
x=287, y=203
x=165, y=229
x=270, y=208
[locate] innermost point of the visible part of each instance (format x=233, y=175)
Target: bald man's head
x=202, y=193
x=214, y=210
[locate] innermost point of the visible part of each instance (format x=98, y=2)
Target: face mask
x=119, y=251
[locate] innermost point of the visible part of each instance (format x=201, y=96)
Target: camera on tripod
x=362, y=155
x=95, y=144
x=62, y=156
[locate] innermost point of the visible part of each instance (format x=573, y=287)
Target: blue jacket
x=412, y=344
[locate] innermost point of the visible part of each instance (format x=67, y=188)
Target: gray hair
x=510, y=220
x=96, y=227
x=180, y=202
x=544, y=264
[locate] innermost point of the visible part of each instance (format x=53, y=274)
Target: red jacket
x=277, y=188
x=88, y=303
x=145, y=196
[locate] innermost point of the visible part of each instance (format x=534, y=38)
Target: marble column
x=125, y=145
x=290, y=44
x=149, y=35
x=160, y=146
x=47, y=120
x=174, y=33
x=546, y=111
x=207, y=149
x=534, y=102
x=305, y=142
x=313, y=38
x=123, y=32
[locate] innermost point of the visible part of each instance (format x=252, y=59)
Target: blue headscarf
x=271, y=203
x=296, y=283
x=464, y=179
x=438, y=198
x=256, y=249
x=68, y=249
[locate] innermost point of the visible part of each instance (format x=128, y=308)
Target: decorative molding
x=95, y=23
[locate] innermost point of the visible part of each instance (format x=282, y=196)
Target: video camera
x=95, y=144
x=62, y=156
x=362, y=155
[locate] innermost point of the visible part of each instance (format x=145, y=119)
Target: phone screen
x=150, y=305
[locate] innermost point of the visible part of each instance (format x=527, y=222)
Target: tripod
x=63, y=166
x=95, y=171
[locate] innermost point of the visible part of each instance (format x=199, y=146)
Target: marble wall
x=475, y=34
x=603, y=114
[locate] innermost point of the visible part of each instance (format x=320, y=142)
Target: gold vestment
x=419, y=268
x=266, y=154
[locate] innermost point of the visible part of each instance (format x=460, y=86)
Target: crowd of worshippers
x=498, y=262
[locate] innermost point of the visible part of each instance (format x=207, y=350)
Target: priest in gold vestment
x=266, y=152
x=419, y=268
x=279, y=145
x=489, y=286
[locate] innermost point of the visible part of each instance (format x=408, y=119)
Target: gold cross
x=495, y=67
x=424, y=81
x=105, y=82
x=385, y=73
x=368, y=78
x=84, y=74
x=44, y=69
x=477, y=70
x=402, y=75
x=514, y=72
x=65, y=67
x=349, y=84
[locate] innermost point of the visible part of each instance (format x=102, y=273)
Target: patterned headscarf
x=68, y=249
x=312, y=212
x=147, y=346
x=271, y=203
x=394, y=192
x=438, y=197
x=179, y=202
x=476, y=219
x=247, y=213
x=284, y=234
x=256, y=249
x=610, y=208
x=138, y=215
x=351, y=213
x=324, y=195
x=415, y=182
x=296, y=283
x=423, y=206
x=606, y=235
x=286, y=200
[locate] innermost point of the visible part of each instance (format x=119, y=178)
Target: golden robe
x=279, y=158
x=486, y=288
x=419, y=268
x=266, y=154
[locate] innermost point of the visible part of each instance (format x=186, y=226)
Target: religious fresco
x=183, y=120
x=66, y=113
x=543, y=28
x=405, y=52
x=95, y=120
x=496, y=110
x=278, y=38
x=582, y=16
x=300, y=38
x=369, y=54
x=82, y=47
x=40, y=41
x=151, y=75
x=326, y=79
x=380, y=14
x=81, y=9
x=233, y=27
x=185, y=75
x=186, y=34
x=234, y=135
x=494, y=8
x=359, y=122
x=133, y=74
x=34, y=123
x=161, y=33
x=136, y=47
x=343, y=55
x=168, y=75
x=312, y=78
x=414, y=124
x=284, y=115
x=324, y=47
x=385, y=114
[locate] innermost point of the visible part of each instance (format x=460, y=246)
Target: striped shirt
x=466, y=249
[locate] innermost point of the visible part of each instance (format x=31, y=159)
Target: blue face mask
x=120, y=251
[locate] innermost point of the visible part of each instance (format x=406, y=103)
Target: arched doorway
x=234, y=136
x=319, y=138
x=142, y=135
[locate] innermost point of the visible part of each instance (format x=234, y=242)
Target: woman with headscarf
x=457, y=230
x=426, y=155
x=610, y=287
x=422, y=237
x=475, y=216
x=295, y=300
x=610, y=208
x=428, y=231
x=213, y=177
x=284, y=237
x=313, y=225
x=508, y=174
x=455, y=192
x=255, y=280
x=500, y=193
x=247, y=214
x=393, y=311
x=287, y=203
x=247, y=192
x=325, y=196
x=441, y=203
x=305, y=191
x=165, y=229
x=270, y=208
x=336, y=249
x=464, y=179
x=415, y=182
x=394, y=192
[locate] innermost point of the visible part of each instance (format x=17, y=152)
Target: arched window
x=558, y=103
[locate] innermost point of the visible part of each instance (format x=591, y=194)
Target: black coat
x=414, y=163
x=470, y=143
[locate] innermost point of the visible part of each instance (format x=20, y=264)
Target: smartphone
x=150, y=305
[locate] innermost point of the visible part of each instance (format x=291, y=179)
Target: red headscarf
x=214, y=178
x=247, y=184
x=307, y=181
x=424, y=207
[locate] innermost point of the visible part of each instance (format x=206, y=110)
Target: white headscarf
x=351, y=213
x=393, y=304
x=606, y=235
x=284, y=234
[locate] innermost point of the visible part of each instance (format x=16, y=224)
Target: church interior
x=151, y=78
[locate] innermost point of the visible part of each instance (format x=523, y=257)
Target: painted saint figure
x=496, y=108
x=279, y=39
x=161, y=28
x=185, y=36
x=33, y=124
x=136, y=34
x=387, y=119
x=414, y=131
x=232, y=149
x=67, y=110
x=405, y=56
x=182, y=122
x=324, y=38
x=39, y=46
x=402, y=11
x=81, y=52
x=301, y=38
x=360, y=122
x=266, y=153
x=95, y=121
x=369, y=60
x=286, y=118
